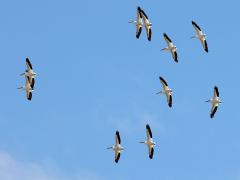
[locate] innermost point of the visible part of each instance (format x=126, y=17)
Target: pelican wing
x=28, y=63
x=150, y=152
x=117, y=156
x=216, y=92
x=144, y=14
x=164, y=83
x=169, y=99
x=167, y=39
x=204, y=44
x=147, y=25
x=29, y=95
x=196, y=27
x=149, y=33
x=139, y=15
x=138, y=27
x=32, y=82
x=174, y=55
x=117, y=138
x=213, y=110
x=149, y=132
x=138, y=32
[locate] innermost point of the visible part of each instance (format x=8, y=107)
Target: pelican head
x=110, y=147
x=22, y=87
x=132, y=21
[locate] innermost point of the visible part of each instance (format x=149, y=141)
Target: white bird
x=138, y=23
x=170, y=47
x=149, y=142
x=28, y=89
x=200, y=35
x=166, y=91
x=29, y=73
x=117, y=148
x=147, y=24
x=215, y=101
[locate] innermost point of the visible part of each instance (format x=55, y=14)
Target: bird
x=28, y=89
x=117, y=148
x=166, y=91
x=170, y=47
x=29, y=73
x=200, y=35
x=149, y=142
x=147, y=24
x=215, y=101
x=138, y=22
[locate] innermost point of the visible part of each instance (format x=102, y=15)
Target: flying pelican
x=138, y=23
x=149, y=142
x=28, y=89
x=29, y=73
x=147, y=24
x=117, y=148
x=170, y=47
x=166, y=91
x=200, y=35
x=215, y=101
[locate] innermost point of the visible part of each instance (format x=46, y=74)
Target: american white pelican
x=138, y=23
x=147, y=24
x=166, y=91
x=170, y=47
x=200, y=35
x=117, y=148
x=28, y=89
x=29, y=73
x=149, y=142
x=215, y=101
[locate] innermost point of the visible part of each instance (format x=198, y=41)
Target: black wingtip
x=151, y=153
x=139, y=32
x=163, y=80
x=150, y=34
x=170, y=101
x=30, y=96
x=216, y=90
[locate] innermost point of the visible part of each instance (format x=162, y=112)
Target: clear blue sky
x=95, y=77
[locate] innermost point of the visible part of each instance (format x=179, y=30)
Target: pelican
x=215, y=101
x=28, y=89
x=147, y=24
x=29, y=73
x=149, y=142
x=117, y=148
x=200, y=35
x=138, y=23
x=170, y=47
x=166, y=91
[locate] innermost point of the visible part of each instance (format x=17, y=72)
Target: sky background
x=94, y=77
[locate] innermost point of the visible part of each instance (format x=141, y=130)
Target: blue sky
x=95, y=77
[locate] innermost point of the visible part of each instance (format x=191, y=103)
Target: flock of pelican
x=142, y=20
